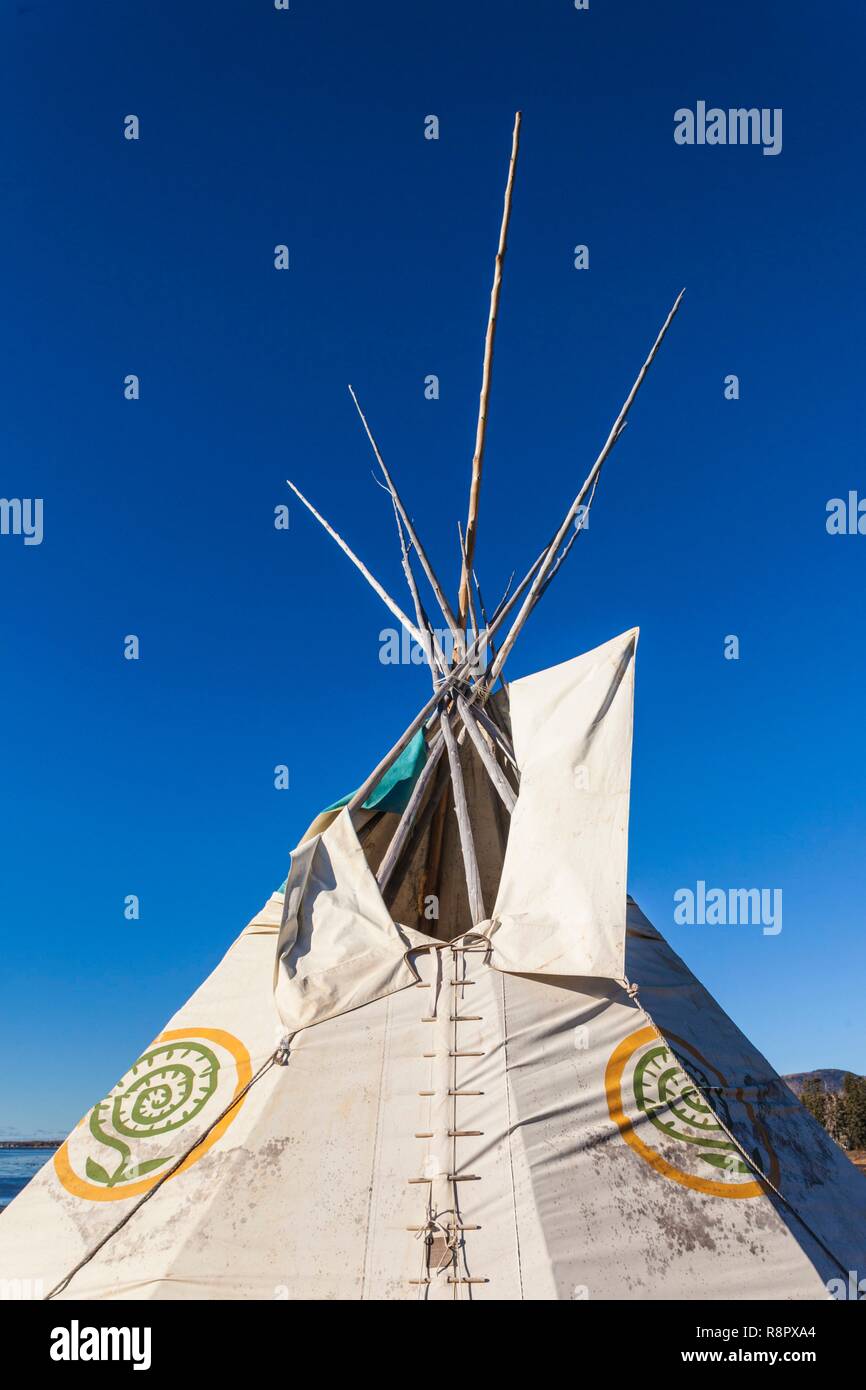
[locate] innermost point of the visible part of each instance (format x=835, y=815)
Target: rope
x=276, y=1059
x=752, y=1162
x=450, y=1234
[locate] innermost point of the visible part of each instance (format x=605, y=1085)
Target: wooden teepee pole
x=563, y=554
x=411, y=815
x=459, y=672
x=616, y=430
x=444, y=605
x=419, y=810
x=494, y=771
x=473, y=617
x=359, y=564
x=464, y=825
x=500, y=738
x=432, y=649
x=486, y=378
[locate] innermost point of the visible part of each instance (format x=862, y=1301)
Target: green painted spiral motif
x=675, y=1105
x=165, y=1089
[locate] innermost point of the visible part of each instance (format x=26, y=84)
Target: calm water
x=17, y=1167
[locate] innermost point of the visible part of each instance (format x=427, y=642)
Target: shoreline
x=30, y=1143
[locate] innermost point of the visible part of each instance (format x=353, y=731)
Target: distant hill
x=12, y=1138
x=833, y=1080
x=30, y=1143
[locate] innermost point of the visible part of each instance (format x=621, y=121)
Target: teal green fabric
x=393, y=791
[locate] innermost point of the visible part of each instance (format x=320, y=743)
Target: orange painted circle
x=80, y=1187
x=613, y=1088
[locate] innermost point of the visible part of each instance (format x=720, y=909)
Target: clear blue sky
x=261, y=647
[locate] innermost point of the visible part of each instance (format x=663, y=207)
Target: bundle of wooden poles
x=463, y=681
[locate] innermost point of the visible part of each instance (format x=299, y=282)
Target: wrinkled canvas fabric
x=338, y=946
x=561, y=904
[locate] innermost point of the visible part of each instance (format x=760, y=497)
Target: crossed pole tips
x=461, y=682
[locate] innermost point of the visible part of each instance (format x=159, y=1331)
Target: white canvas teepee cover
x=598, y=1135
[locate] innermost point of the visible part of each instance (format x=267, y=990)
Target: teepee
x=450, y=1058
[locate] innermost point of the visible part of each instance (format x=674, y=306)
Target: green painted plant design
x=165, y=1089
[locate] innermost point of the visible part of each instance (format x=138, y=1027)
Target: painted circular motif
x=165, y=1089
x=663, y=1116
x=175, y=1090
